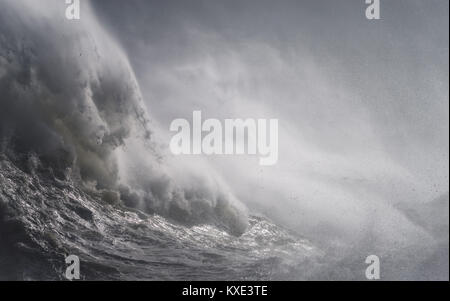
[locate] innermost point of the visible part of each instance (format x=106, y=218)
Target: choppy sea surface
x=44, y=219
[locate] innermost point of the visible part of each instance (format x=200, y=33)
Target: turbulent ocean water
x=85, y=170
x=44, y=219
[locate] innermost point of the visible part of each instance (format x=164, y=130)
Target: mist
x=362, y=107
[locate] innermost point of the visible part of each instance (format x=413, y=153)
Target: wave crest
x=70, y=98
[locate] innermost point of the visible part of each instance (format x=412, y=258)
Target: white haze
x=362, y=107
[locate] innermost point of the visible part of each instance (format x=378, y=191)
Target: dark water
x=44, y=219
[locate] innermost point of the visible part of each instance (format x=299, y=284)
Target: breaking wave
x=71, y=102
